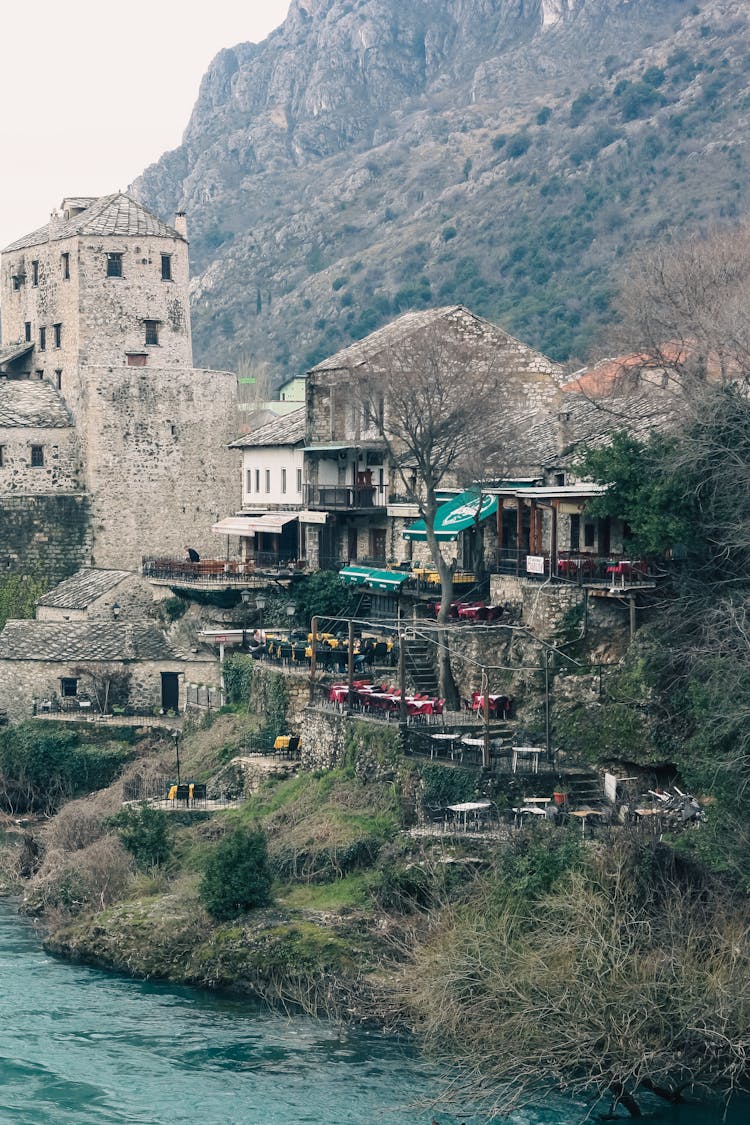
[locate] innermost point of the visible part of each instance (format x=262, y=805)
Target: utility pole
x=546, y=705
x=313, y=656
x=350, y=666
x=486, y=710
x=402, y=723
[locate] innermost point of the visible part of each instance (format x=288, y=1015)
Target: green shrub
x=447, y=787
x=238, y=677
x=144, y=831
x=237, y=876
x=518, y=144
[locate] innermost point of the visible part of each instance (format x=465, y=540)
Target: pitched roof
x=390, y=335
x=83, y=587
x=89, y=641
x=32, y=402
x=287, y=429
x=109, y=215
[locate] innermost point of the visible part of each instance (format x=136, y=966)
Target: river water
x=82, y=1046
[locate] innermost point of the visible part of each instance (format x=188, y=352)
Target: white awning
x=234, y=525
x=273, y=522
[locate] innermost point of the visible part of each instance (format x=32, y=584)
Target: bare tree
x=685, y=305
x=430, y=398
x=110, y=685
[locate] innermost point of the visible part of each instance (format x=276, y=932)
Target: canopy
x=457, y=515
x=273, y=522
x=233, y=525
x=375, y=579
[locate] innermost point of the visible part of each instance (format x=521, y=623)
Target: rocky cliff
x=371, y=155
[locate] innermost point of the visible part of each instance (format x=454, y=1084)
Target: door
x=170, y=691
x=352, y=542
x=377, y=543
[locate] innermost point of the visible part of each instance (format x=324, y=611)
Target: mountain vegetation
x=371, y=156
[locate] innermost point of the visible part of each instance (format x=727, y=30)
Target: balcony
x=336, y=498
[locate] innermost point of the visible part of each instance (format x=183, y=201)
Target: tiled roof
x=288, y=429
x=32, y=402
x=116, y=214
x=100, y=641
x=14, y=351
x=83, y=588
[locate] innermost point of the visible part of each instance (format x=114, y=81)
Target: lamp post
x=290, y=612
x=176, y=736
x=260, y=605
x=245, y=595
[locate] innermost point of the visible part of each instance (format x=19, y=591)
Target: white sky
x=95, y=91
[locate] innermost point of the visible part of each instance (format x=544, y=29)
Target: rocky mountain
x=373, y=155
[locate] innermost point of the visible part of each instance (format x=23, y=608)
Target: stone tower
x=95, y=306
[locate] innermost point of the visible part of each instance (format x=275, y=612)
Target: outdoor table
x=582, y=814
x=532, y=810
x=449, y=739
x=531, y=751
x=477, y=701
x=467, y=807
x=339, y=693
x=472, y=612
x=621, y=569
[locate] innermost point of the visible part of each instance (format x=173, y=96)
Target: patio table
x=466, y=807
x=532, y=752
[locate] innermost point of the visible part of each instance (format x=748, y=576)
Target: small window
x=57, y=329
x=68, y=687
x=589, y=530
x=249, y=481
x=35, y=273
x=42, y=339
x=268, y=480
x=166, y=267
x=17, y=281
x=283, y=480
x=37, y=456
x=27, y=331
x=257, y=480
x=39, y=372
x=2, y=455
x=560, y=479
x=137, y=359
x=114, y=265
x=65, y=266
x=58, y=378
x=152, y=332
x=299, y=480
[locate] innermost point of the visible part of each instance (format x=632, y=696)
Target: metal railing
x=336, y=497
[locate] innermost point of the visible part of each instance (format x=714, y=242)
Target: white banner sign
x=535, y=564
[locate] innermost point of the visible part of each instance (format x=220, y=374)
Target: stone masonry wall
x=46, y=535
x=157, y=464
x=22, y=682
x=61, y=467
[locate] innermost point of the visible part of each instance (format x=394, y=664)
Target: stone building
x=94, y=627
x=95, y=313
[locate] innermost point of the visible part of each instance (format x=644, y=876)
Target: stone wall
x=26, y=682
x=296, y=685
x=49, y=535
x=329, y=738
x=60, y=470
x=157, y=464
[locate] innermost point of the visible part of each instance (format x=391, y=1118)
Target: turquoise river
x=82, y=1046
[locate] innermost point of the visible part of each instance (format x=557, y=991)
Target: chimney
x=180, y=224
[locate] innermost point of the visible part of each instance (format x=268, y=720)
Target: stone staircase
x=419, y=666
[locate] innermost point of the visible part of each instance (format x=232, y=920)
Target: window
x=2, y=455
x=39, y=372
x=65, y=266
x=42, y=339
x=268, y=480
x=18, y=280
x=283, y=480
x=589, y=530
x=35, y=273
x=58, y=378
x=257, y=480
x=37, y=456
x=114, y=265
x=299, y=480
x=166, y=267
x=137, y=359
x=57, y=329
x=68, y=687
x=249, y=481
x=152, y=332
x=27, y=331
